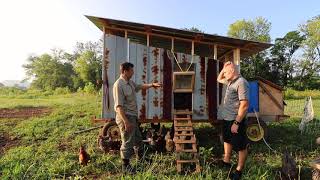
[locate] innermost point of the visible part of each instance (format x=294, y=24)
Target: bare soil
x=25, y=112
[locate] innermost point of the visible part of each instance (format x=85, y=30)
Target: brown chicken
x=169, y=142
x=103, y=146
x=289, y=167
x=84, y=157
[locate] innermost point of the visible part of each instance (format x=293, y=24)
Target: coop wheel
x=255, y=132
x=112, y=130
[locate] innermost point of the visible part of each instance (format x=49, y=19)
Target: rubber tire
x=107, y=126
x=253, y=122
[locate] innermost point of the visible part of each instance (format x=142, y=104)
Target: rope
x=264, y=140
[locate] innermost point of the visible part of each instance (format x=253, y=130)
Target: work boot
x=236, y=175
x=127, y=168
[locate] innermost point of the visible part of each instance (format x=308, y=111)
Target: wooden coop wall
x=266, y=105
x=152, y=64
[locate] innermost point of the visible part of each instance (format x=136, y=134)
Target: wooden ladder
x=185, y=140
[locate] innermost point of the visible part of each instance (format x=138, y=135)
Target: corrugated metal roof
x=203, y=41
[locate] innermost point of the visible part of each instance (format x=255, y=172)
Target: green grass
x=46, y=147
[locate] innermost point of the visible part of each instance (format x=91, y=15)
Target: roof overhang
x=162, y=37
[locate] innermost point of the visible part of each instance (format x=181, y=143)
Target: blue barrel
x=254, y=96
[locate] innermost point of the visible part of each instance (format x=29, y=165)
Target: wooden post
x=236, y=57
x=215, y=52
x=104, y=78
x=172, y=44
x=148, y=39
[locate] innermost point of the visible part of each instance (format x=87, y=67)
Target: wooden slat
x=182, y=141
x=183, y=129
x=183, y=125
x=183, y=113
x=183, y=134
x=270, y=95
x=182, y=119
x=187, y=150
x=188, y=161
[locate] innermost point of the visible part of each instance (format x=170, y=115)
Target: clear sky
x=37, y=26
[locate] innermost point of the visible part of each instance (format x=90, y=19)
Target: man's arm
x=221, y=79
x=243, y=108
x=154, y=85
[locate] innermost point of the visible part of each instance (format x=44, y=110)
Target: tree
x=281, y=61
x=89, y=67
x=193, y=29
x=49, y=72
x=254, y=30
x=309, y=65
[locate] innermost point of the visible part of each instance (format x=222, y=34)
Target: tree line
x=293, y=61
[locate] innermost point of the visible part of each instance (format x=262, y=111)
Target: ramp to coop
x=185, y=140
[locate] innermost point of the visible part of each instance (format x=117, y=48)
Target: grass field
x=46, y=147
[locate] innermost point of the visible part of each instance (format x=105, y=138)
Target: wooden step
x=186, y=150
x=182, y=141
x=188, y=161
x=183, y=133
x=183, y=125
x=182, y=113
x=182, y=119
x=183, y=129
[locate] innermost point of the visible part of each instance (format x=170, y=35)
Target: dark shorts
x=239, y=141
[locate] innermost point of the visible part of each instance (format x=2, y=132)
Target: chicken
x=169, y=142
x=84, y=157
x=103, y=145
x=318, y=141
x=289, y=167
x=160, y=144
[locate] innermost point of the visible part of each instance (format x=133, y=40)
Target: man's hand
x=128, y=127
x=234, y=128
x=226, y=63
x=156, y=85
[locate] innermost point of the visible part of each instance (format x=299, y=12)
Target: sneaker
x=236, y=175
x=224, y=165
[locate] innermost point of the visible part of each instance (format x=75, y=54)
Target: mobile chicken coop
x=186, y=63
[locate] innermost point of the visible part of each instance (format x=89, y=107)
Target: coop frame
x=215, y=49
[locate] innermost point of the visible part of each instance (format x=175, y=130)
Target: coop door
x=183, y=85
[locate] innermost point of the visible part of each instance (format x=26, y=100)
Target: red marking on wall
x=212, y=89
x=202, y=75
x=155, y=102
x=142, y=112
x=167, y=86
x=155, y=69
x=155, y=52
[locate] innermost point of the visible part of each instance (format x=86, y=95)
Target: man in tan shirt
x=125, y=105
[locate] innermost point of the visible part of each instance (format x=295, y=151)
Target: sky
x=34, y=27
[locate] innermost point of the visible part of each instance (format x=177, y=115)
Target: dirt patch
x=6, y=142
x=25, y=112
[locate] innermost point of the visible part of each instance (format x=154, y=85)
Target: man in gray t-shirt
x=125, y=105
x=236, y=104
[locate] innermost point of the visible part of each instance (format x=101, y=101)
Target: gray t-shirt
x=237, y=90
x=124, y=94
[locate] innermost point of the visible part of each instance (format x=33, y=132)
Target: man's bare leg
x=242, y=159
x=227, y=152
